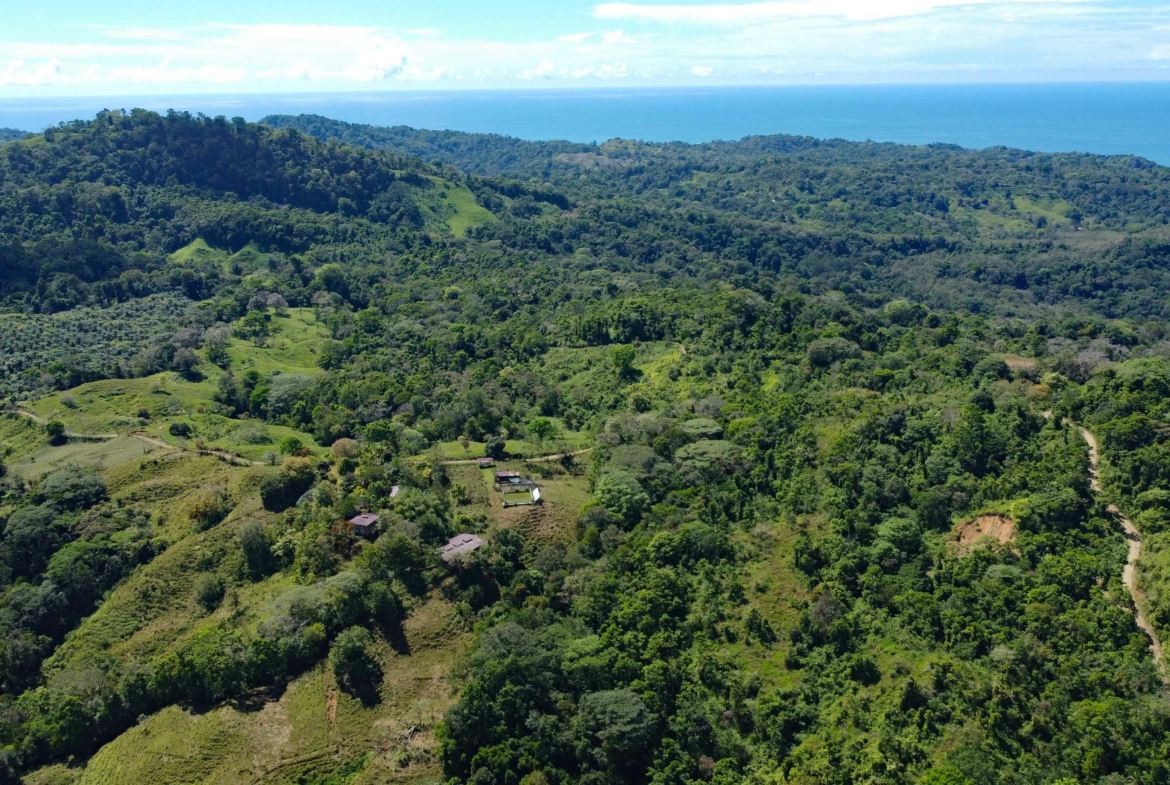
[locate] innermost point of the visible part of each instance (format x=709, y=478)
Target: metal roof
x=461, y=544
x=365, y=519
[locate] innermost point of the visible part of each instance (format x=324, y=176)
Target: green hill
x=803, y=417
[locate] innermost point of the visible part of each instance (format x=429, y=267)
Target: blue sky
x=117, y=47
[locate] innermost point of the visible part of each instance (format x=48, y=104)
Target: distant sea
x=1107, y=118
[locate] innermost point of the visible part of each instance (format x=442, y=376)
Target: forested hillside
x=804, y=417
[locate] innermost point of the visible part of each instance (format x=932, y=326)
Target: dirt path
x=69, y=434
x=1133, y=539
x=539, y=459
x=230, y=457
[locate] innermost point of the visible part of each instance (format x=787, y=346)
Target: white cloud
x=607, y=71
x=163, y=73
x=15, y=72
x=146, y=34
x=755, y=13
x=545, y=70
x=380, y=62
x=616, y=37
x=770, y=42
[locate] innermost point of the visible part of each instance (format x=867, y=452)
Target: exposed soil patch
x=998, y=527
x=1017, y=363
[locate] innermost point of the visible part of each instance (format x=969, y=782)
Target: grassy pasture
x=112, y=406
x=467, y=213
x=99, y=455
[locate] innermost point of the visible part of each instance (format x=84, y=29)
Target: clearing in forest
x=1000, y=528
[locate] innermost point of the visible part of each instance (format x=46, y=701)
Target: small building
x=487, y=463
x=460, y=545
x=364, y=524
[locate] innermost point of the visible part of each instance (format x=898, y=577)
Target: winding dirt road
x=230, y=457
x=1133, y=539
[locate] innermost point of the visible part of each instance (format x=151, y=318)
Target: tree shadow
x=255, y=700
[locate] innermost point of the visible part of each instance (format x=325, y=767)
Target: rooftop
x=364, y=520
x=461, y=544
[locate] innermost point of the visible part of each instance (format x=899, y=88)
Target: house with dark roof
x=461, y=545
x=364, y=524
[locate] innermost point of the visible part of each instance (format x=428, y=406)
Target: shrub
x=356, y=670
x=73, y=488
x=494, y=447
x=209, y=509
x=209, y=592
x=257, y=549
x=180, y=429
x=280, y=491
x=55, y=430
x=344, y=448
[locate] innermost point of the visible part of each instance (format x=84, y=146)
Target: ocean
x=1106, y=118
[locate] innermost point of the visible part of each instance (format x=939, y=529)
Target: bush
x=180, y=429
x=280, y=491
x=55, y=430
x=209, y=509
x=344, y=448
x=209, y=592
x=73, y=488
x=495, y=447
x=257, y=549
x=356, y=670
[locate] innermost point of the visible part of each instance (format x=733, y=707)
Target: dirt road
x=1133, y=539
x=230, y=457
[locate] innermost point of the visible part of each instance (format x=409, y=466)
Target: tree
x=256, y=326
x=495, y=447
x=947, y=775
x=185, y=363
x=622, y=494
x=542, y=429
x=291, y=445
x=280, y=491
x=623, y=360
x=331, y=278
x=356, y=671
x=256, y=547
x=31, y=536
x=209, y=592
x=619, y=728
x=73, y=487
x=55, y=430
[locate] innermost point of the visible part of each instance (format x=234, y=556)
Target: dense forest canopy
x=818, y=508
